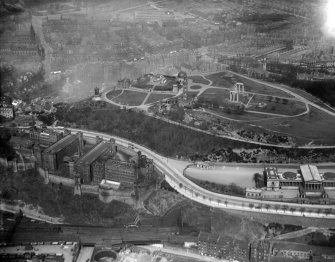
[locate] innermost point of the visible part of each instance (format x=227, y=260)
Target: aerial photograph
x=167, y=130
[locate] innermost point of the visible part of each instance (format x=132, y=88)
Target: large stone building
x=53, y=156
x=45, y=137
x=307, y=185
x=121, y=171
x=85, y=166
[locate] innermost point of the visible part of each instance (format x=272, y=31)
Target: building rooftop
x=54, y=248
x=94, y=153
x=310, y=173
x=61, y=144
x=271, y=173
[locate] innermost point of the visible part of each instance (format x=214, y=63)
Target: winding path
x=144, y=108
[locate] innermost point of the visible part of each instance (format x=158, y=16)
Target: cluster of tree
x=58, y=200
x=162, y=137
x=231, y=189
x=6, y=150
x=322, y=89
x=47, y=119
x=27, y=86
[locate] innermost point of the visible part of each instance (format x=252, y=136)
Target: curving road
x=301, y=98
x=173, y=170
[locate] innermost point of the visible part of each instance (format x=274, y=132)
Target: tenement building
x=307, y=185
x=6, y=107
x=53, y=156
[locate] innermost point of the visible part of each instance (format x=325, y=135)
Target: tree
x=251, y=205
x=267, y=206
x=302, y=210
x=180, y=185
x=292, y=209
x=276, y=207
x=226, y=202
x=328, y=211
x=285, y=207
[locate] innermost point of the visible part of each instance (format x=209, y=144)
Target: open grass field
x=113, y=93
x=214, y=93
x=219, y=79
x=316, y=126
x=199, y=80
x=290, y=107
x=251, y=86
x=195, y=87
x=131, y=98
x=157, y=97
x=192, y=94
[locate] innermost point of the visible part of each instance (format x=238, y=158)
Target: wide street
x=173, y=170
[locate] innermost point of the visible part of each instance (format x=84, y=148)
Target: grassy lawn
x=110, y=95
x=251, y=86
x=317, y=126
x=214, y=93
x=156, y=97
x=192, y=94
x=131, y=98
x=199, y=79
x=219, y=79
x=195, y=87
x=288, y=107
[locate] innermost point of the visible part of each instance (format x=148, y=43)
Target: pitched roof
x=58, y=146
x=310, y=173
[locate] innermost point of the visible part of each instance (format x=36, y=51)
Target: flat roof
x=61, y=144
x=310, y=173
x=94, y=153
